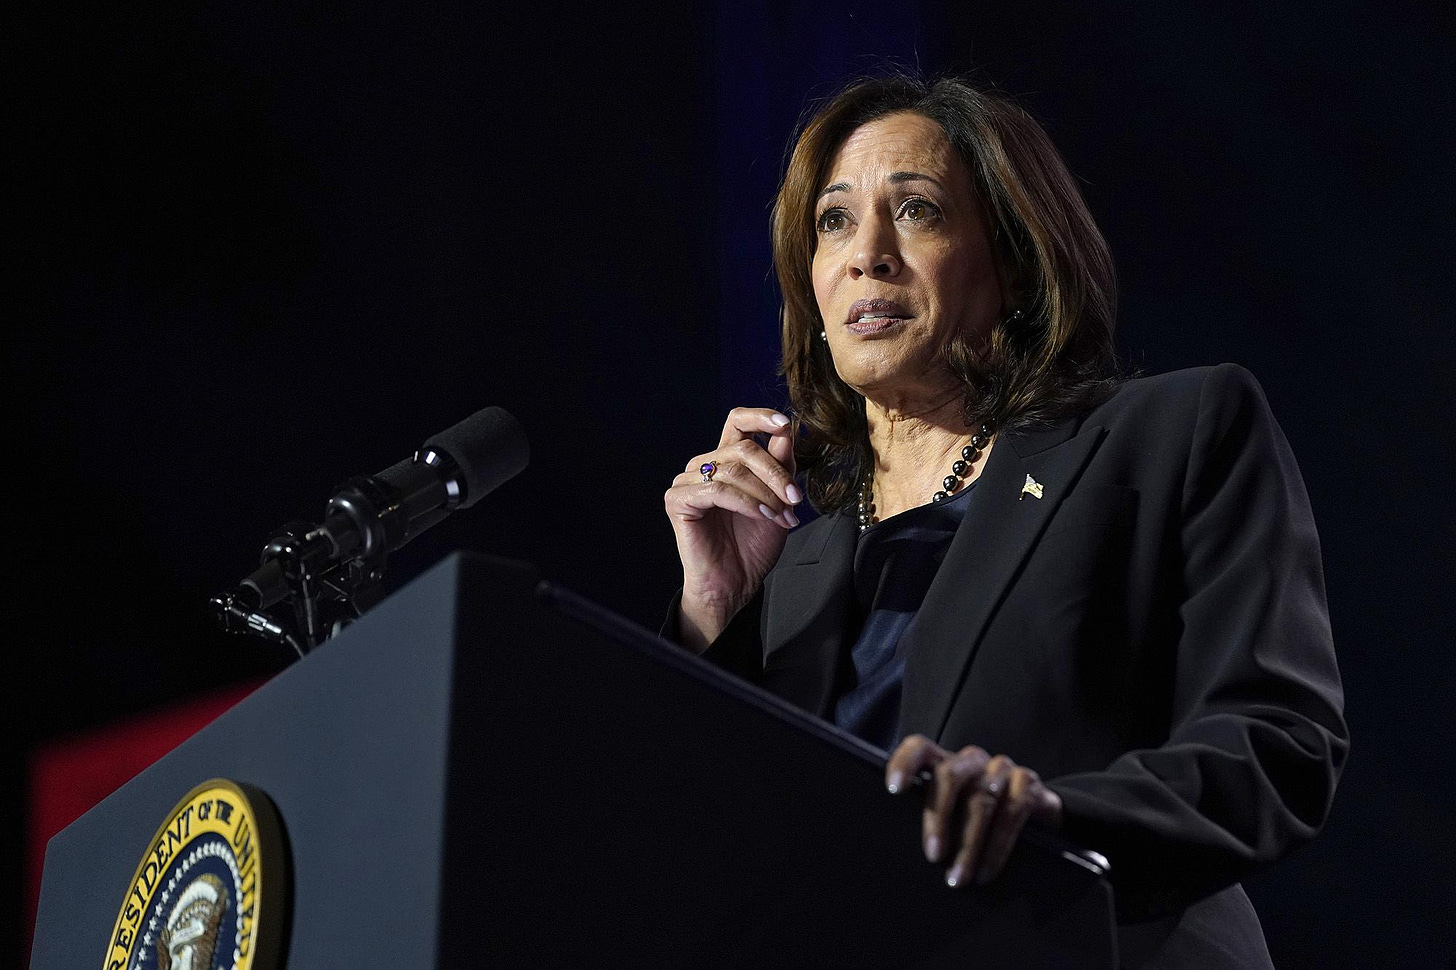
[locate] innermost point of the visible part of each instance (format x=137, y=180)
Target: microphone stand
x=329, y=574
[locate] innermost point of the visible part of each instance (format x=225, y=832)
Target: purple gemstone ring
x=709, y=467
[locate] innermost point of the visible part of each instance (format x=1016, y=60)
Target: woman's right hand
x=731, y=530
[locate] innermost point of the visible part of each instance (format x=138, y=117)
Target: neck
x=914, y=446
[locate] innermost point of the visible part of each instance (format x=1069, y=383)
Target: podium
x=490, y=770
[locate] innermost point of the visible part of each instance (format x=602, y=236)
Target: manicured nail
x=794, y=494
x=932, y=848
x=768, y=513
x=790, y=517
x=893, y=782
x=779, y=420
x=952, y=878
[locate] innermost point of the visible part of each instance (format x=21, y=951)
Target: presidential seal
x=209, y=893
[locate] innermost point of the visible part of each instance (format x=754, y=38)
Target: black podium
x=488, y=770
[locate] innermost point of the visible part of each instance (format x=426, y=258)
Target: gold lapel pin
x=1032, y=488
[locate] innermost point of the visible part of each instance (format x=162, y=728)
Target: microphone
x=371, y=516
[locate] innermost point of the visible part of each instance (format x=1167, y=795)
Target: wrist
x=701, y=617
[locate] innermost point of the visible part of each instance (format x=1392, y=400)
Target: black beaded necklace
x=949, y=485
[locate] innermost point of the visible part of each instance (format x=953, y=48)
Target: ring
x=709, y=467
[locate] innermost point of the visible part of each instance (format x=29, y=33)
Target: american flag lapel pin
x=1032, y=488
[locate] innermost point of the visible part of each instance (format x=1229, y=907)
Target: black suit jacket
x=1150, y=635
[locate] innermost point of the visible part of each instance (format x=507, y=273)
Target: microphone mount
x=331, y=573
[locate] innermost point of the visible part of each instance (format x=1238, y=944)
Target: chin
x=868, y=369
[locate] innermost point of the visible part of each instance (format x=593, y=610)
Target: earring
x=823, y=334
x=1015, y=316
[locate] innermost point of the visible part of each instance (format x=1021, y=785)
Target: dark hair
x=1052, y=262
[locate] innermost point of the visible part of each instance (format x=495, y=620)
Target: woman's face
x=903, y=259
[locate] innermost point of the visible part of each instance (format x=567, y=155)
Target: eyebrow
x=898, y=177
x=894, y=178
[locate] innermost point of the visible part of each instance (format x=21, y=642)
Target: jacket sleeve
x=1257, y=737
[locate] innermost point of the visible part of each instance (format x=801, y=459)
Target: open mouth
x=869, y=317
x=867, y=326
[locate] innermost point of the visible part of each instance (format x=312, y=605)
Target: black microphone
x=371, y=516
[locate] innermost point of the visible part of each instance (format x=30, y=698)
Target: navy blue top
x=894, y=564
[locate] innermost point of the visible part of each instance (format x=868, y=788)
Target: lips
x=876, y=310
x=870, y=318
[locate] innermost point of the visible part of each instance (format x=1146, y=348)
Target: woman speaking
x=1076, y=599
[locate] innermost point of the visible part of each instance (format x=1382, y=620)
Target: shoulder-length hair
x=1053, y=264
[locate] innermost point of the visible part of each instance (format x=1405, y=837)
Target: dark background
x=262, y=248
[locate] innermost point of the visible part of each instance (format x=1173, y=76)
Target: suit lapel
x=994, y=538
x=805, y=626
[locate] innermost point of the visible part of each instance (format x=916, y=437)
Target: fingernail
x=794, y=494
x=952, y=878
x=894, y=782
x=932, y=848
x=779, y=420
x=768, y=513
x=790, y=517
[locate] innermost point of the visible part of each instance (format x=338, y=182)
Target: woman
x=1080, y=601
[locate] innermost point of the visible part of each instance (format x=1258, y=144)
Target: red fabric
x=70, y=775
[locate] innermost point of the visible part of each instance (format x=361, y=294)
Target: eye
x=918, y=210
x=832, y=220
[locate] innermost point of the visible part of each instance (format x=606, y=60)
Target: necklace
x=949, y=485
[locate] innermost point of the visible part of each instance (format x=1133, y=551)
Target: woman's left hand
x=975, y=805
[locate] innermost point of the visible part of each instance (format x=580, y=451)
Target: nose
x=875, y=254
